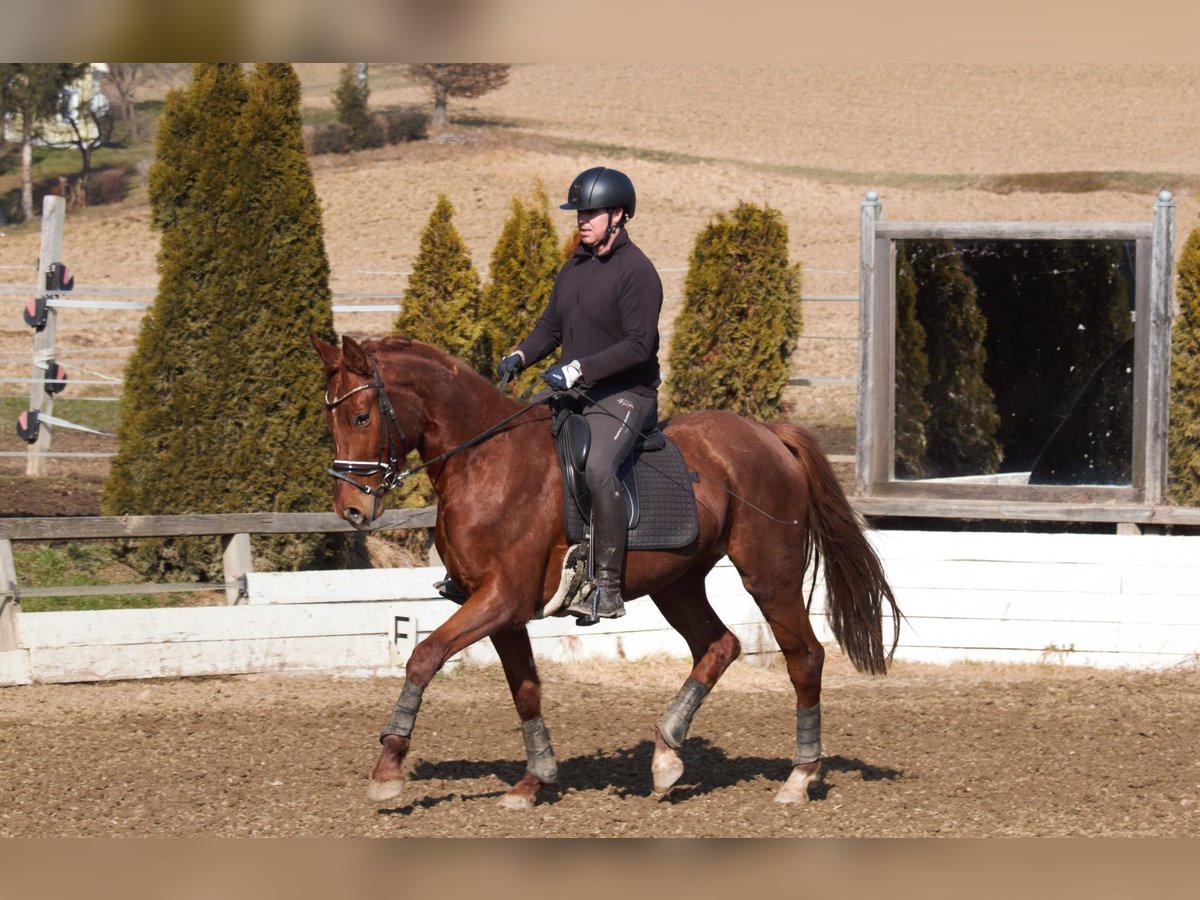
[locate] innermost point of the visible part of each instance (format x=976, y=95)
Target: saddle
x=660, y=505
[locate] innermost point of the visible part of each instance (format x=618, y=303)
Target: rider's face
x=593, y=225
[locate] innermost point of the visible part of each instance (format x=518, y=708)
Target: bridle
x=390, y=434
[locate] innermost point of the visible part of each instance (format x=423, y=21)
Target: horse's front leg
x=520, y=670
x=475, y=619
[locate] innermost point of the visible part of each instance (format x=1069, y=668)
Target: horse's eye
x=362, y=419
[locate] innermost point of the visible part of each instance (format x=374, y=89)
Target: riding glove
x=561, y=377
x=511, y=365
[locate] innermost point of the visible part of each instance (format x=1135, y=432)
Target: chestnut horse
x=766, y=497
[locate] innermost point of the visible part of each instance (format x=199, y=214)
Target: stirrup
x=450, y=590
x=596, y=603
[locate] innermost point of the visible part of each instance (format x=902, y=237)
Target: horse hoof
x=667, y=768
x=795, y=789
x=382, y=791
x=516, y=801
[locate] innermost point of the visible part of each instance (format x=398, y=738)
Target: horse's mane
x=398, y=343
x=387, y=342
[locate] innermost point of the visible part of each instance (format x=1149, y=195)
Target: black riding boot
x=608, y=552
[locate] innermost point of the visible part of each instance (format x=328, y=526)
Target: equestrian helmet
x=601, y=188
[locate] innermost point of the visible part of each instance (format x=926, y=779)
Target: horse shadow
x=625, y=772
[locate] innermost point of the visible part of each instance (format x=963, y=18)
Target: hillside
x=970, y=142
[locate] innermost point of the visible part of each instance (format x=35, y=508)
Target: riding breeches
x=615, y=419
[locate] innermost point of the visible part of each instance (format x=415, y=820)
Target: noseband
x=390, y=434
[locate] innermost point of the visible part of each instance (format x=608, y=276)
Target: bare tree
x=122, y=81
x=465, y=80
x=91, y=124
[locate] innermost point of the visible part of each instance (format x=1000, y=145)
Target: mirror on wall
x=1023, y=361
x=1013, y=360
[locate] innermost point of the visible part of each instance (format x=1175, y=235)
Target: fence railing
x=235, y=531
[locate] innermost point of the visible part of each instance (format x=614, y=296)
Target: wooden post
x=8, y=597
x=1158, y=376
x=868, y=377
x=54, y=210
x=237, y=561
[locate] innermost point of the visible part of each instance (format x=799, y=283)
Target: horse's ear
x=354, y=357
x=330, y=355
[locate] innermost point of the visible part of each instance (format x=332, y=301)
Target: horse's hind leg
x=805, y=657
x=714, y=647
x=516, y=655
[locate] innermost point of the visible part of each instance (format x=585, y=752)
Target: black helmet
x=602, y=188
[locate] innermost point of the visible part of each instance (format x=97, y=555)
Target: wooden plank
x=1094, y=658
x=343, y=585
x=201, y=624
x=1031, y=635
x=985, y=576
x=82, y=527
x=960, y=602
x=986, y=231
x=949, y=506
x=1033, y=547
x=14, y=667
x=1158, y=357
x=342, y=654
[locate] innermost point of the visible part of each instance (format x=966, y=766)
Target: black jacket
x=604, y=312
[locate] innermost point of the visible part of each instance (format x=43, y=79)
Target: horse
x=766, y=495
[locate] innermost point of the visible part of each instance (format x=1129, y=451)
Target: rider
x=603, y=312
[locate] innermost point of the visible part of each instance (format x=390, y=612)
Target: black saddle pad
x=667, y=516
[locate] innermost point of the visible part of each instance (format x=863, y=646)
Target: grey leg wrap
x=676, y=721
x=542, y=764
x=808, y=735
x=404, y=717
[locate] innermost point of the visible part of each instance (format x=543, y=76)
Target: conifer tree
x=524, y=264
x=441, y=307
x=1184, y=431
x=221, y=410
x=912, y=375
x=350, y=104
x=961, y=427
x=441, y=301
x=741, y=317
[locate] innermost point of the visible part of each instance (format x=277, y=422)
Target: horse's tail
x=855, y=584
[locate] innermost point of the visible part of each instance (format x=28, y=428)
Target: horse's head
x=369, y=445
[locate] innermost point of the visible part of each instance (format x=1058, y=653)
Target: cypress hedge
x=912, y=375
x=221, y=411
x=741, y=317
x=525, y=262
x=441, y=301
x=961, y=422
x=441, y=307
x=1184, y=431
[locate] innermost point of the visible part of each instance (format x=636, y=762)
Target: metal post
x=54, y=211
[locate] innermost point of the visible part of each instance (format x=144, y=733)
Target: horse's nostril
x=353, y=515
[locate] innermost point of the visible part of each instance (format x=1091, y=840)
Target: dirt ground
x=963, y=751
